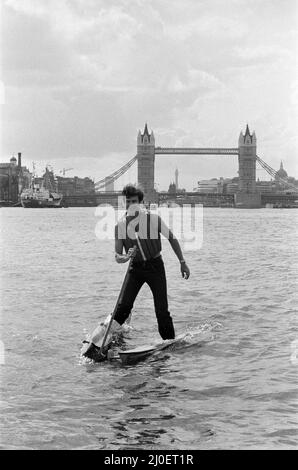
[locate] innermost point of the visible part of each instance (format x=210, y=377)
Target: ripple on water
x=231, y=385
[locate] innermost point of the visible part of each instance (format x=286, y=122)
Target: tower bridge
x=246, y=151
x=246, y=197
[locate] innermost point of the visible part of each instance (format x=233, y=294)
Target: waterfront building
x=74, y=186
x=49, y=180
x=231, y=187
x=13, y=179
x=281, y=173
x=212, y=186
x=266, y=186
x=172, y=188
x=25, y=179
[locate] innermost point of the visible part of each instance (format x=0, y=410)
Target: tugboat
x=39, y=196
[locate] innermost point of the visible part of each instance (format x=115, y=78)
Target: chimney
x=19, y=160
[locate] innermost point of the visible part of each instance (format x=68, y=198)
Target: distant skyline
x=81, y=77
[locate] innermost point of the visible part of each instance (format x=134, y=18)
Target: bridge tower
x=247, y=196
x=146, y=159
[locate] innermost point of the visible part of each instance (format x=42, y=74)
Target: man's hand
x=185, y=270
x=132, y=252
x=124, y=258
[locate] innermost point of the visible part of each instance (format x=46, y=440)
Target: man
x=138, y=234
x=142, y=230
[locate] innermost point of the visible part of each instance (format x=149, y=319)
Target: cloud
x=211, y=27
x=194, y=80
x=262, y=52
x=82, y=76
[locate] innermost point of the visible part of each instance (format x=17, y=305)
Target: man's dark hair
x=130, y=191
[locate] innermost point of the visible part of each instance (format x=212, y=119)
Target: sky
x=81, y=77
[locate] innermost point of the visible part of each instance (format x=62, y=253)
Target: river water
x=233, y=385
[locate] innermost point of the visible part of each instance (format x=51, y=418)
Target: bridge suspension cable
x=115, y=175
x=275, y=175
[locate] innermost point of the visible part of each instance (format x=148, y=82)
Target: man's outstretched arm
x=178, y=252
x=166, y=232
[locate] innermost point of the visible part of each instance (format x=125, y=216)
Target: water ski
x=143, y=352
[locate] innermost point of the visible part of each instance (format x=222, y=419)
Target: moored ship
x=40, y=197
x=42, y=192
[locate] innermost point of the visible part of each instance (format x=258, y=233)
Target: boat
x=37, y=195
x=40, y=197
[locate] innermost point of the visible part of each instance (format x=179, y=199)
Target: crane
x=65, y=170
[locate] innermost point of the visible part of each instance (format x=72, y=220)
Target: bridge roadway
x=195, y=151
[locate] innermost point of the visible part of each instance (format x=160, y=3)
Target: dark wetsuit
x=147, y=267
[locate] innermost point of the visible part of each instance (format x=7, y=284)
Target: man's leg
x=132, y=289
x=156, y=279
